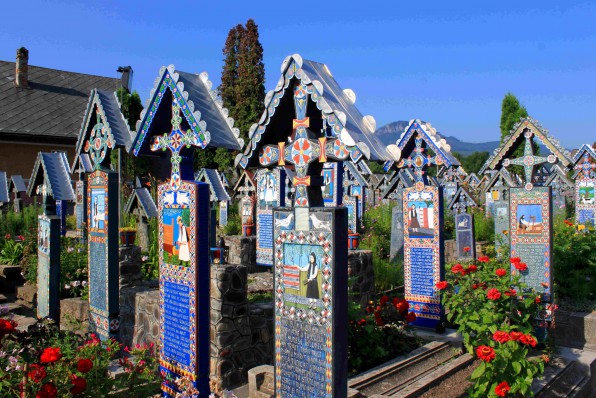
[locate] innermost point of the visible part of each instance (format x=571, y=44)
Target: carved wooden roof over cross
x=501, y=179
x=51, y=177
x=526, y=129
x=462, y=200
x=411, y=149
x=472, y=180
x=329, y=110
x=103, y=119
x=584, y=162
x=558, y=179
x=402, y=178
x=246, y=183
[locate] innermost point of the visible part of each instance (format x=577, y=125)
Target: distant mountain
x=390, y=133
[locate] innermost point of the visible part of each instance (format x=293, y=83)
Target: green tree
x=511, y=112
x=473, y=162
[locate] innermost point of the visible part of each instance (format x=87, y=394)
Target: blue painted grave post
x=81, y=208
x=311, y=283
x=464, y=234
x=270, y=194
x=223, y=213
x=48, y=259
x=61, y=210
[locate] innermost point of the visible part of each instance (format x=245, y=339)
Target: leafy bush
x=376, y=236
x=73, y=268
x=233, y=227
x=496, y=324
x=11, y=253
x=484, y=226
x=574, y=257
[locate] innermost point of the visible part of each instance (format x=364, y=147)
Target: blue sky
x=449, y=63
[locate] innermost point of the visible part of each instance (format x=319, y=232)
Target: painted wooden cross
x=529, y=161
x=175, y=141
x=586, y=167
x=303, y=152
x=98, y=143
x=419, y=161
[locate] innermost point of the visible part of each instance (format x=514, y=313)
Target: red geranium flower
x=472, y=268
x=500, y=336
x=502, y=389
x=457, y=269
x=520, y=266
x=36, y=373
x=442, y=285
x=362, y=322
x=511, y=293
x=84, y=365
x=475, y=286
x=569, y=223
x=515, y=260
x=50, y=355
x=384, y=300
x=48, y=390
x=467, y=249
x=515, y=336
x=485, y=353
x=493, y=294
x=402, y=306
x=411, y=317
x=528, y=340
x=79, y=384
x=7, y=327
x=483, y=259
x=500, y=272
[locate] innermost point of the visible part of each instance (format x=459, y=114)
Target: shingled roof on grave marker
x=502, y=178
x=216, y=187
x=353, y=171
x=514, y=139
x=102, y=107
x=584, y=161
x=4, y=198
x=17, y=184
x=363, y=168
x=462, y=196
x=142, y=197
x=408, y=145
x=247, y=178
x=340, y=119
x=202, y=110
x=472, y=179
x=558, y=176
x=51, y=171
x=403, y=176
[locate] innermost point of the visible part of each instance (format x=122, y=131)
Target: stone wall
x=243, y=250
x=362, y=274
x=450, y=251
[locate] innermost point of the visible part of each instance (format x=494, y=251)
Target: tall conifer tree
x=511, y=112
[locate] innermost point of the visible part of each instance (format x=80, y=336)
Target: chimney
x=22, y=67
x=126, y=78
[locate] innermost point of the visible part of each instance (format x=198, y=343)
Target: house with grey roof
x=41, y=110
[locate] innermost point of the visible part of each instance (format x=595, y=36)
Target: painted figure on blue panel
x=98, y=204
x=311, y=282
x=421, y=210
x=176, y=236
x=529, y=219
x=268, y=195
x=327, y=185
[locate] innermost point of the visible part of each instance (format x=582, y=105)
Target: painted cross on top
x=419, y=161
x=529, y=161
x=302, y=151
x=98, y=143
x=586, y=167
x=175, y=141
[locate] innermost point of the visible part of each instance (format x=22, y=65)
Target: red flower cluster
x=568, y=223
x=500, y=272
x=458, y=269
x=411, y=317
x=48, y=390
x=467, y=249
x=503, y=337
x=442, y=285
x=493, y=294
x=79, y=384
x=511, y=293
x=7, y=327
x=502, y=389
x=84, y=365
x=483, y=259
x=401, y=305
x=485, y=353
x=500, y=336
x=50, y=355
x=37, y=373
x=517, y=263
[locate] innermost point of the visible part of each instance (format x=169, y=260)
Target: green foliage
x=491, y=317
x=376, y=236
x=473, y=162
x=23, y=223
x=484, y=226
x=511, y=112
x=73, y=268
x=11, y=253
x=376, y=168
x=151, y=264
x=234, y=225
x=574, y=262
x=260, y=297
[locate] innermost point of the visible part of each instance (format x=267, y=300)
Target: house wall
x=19, y=158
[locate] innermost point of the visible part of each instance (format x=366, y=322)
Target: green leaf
x=516, y=367
x=479, y=371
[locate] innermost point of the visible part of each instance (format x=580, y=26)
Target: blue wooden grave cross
x=586, y=167
x=419, y=161
x=529, y=161
x=302, y=152
x=175, y=141
x=98, y=143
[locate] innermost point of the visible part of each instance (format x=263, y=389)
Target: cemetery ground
x=386, y=356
